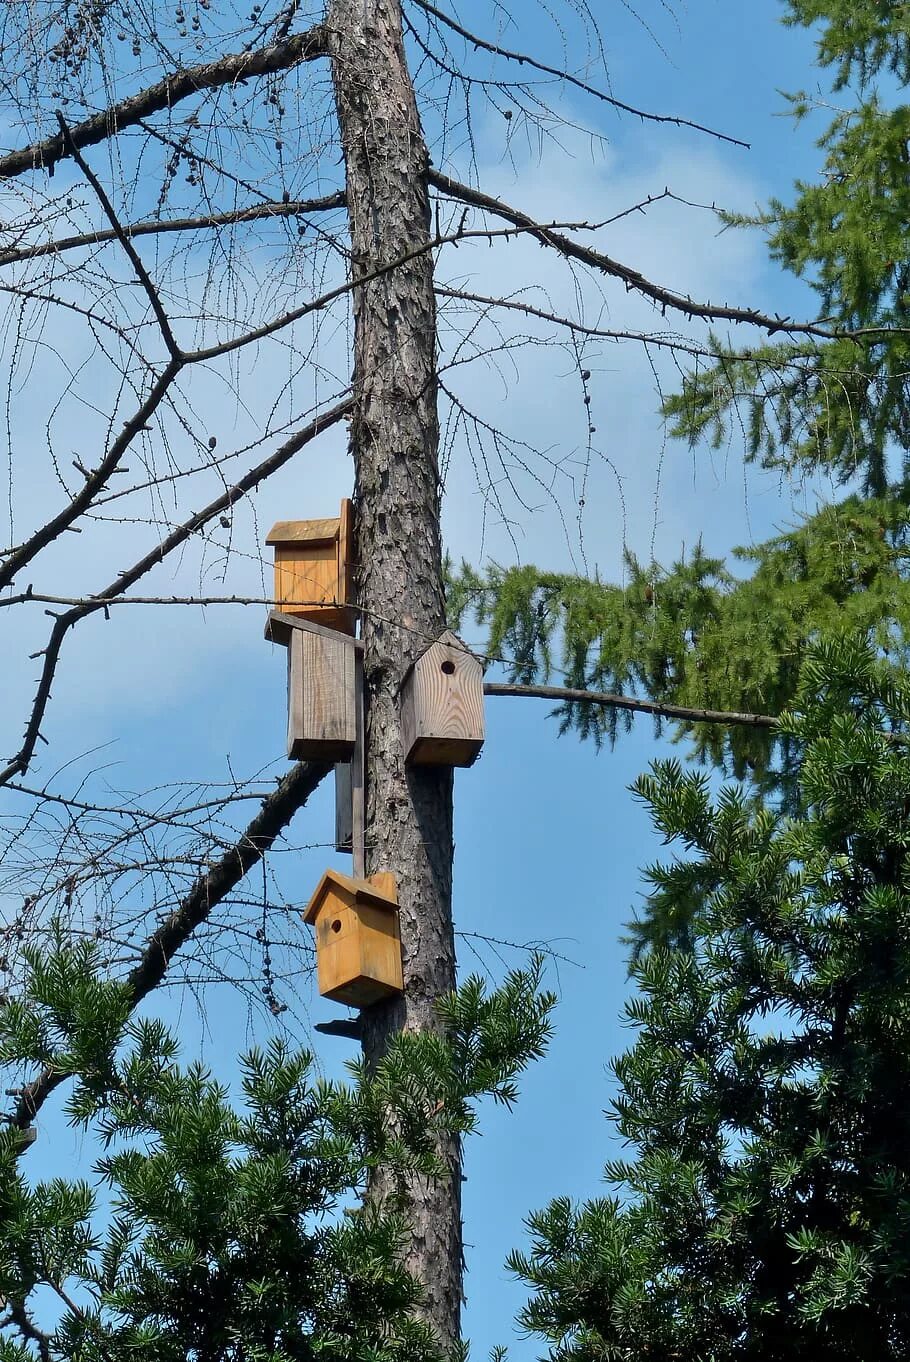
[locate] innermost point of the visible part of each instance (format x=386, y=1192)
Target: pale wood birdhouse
x=358, y=947
x=441, y=701
x=314, y=569
x=322, y=694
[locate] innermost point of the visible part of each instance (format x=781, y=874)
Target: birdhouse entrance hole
x=448, y=667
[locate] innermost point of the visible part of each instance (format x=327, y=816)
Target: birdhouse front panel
x=442, y=721
x=313, y=569
x=322, y=714
x=358, y=947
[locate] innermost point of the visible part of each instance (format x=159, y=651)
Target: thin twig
x=135, y=259
x=636, y=282
x=19, y=764
x=523, y=59
x=164, y=226
x=206, y=893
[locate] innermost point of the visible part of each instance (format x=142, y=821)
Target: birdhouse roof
x=279, y=627
x=357, y=891
x=304, y=531
x=446, y=642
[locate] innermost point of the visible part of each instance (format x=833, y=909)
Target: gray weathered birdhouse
x=358, y=947
x=314, y=576
x=322, y=694
x=441, y=700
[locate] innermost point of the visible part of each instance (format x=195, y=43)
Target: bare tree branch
x=656, y=707
x=53, y=528
x=19, y=764
x=255, y=213
x=133, y=255
x=637, y=282
x=164, y=94
x=523, y=59
x=207, y=892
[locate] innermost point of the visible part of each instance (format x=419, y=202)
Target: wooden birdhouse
x=314, y=569
x=441, y=701
x=358, y=948
x=322, y=693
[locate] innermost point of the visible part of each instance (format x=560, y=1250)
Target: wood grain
x=358, y=946
x=442, y=719
x=279, y=627
x=313, y=569
x=322, y=720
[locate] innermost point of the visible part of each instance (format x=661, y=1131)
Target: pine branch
x=29, y=1330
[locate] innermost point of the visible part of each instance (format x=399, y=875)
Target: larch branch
x=164, y=94
x=608, y=700
x=210, y=889
x=164, y=226
x=634, y=280
x=523, y=59
x=96, y=479
x=132, y=254
x=19, y=764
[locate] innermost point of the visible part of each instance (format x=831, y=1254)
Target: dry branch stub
x=442, y=721
x=358, y=946
x=314, y=575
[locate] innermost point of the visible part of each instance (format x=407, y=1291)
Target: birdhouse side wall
x=322, y=714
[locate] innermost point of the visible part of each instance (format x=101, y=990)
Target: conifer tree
x=844, y=408
x=218, y=1232
x=764, y=1211
x=701, y=636
x=695, y=633
x=254, y=113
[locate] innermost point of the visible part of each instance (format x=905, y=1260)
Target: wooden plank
x=303, y=531
x=358, y=775
x=344, y=807
x=305, y=577
x=279, y=627
x=346, y=565
x=321, y=713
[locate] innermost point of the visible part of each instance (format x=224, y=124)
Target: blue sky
x=548, y=840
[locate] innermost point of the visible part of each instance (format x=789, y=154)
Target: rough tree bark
x=395, y=440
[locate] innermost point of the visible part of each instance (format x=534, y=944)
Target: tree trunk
x=395, y=443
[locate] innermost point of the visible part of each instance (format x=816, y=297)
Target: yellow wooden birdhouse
x=441, y=701
x=314, y=569
x=358, y=948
